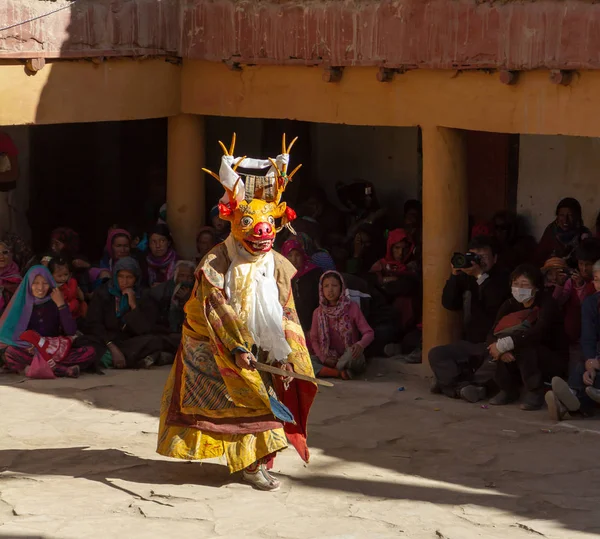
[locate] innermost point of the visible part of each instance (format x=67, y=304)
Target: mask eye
x=271, y=220
x=246, y=222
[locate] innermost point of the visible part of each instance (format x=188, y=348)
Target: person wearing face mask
x=528, y=342
x=478, y=291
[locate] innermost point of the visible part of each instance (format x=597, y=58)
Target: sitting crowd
x=531, y=325
x=62, y=314
x=530, y=310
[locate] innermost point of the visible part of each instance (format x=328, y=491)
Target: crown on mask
x=240, y=186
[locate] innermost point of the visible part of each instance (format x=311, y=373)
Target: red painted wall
x=435, y=34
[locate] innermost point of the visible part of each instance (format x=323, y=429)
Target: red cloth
x=69, y=291
x=482, y=228
x=7, y=146
x=54, y=349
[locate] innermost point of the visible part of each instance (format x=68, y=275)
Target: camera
x=466, y=260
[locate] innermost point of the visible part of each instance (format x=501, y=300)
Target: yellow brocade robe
x=210, y=407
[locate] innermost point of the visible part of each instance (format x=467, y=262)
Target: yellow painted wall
x=136, y=89
x=81, y=91
x=467, y=100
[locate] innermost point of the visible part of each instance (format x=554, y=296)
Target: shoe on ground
x=392, y=349
x=147, y=362
x=563, y=393
x=164, y=358
x=261, y=479
x=435, y=387
x=532, y=401
x=503, y=398
x=593, y=393
x=472, y=393
x=556, y=409
x=416, y=356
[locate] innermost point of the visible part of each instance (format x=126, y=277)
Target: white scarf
x=252, y=292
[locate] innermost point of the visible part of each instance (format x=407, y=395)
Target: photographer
x=478, y=288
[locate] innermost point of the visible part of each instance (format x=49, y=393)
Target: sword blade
x=275, y=370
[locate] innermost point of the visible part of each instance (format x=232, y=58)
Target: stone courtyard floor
x=77, y=460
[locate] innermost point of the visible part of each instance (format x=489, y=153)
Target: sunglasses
x=4, y=253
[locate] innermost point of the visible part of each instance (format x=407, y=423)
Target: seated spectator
x=478, y=291
x=365, y=251
x=412, y=222
x=582, y=392
x=22, y=253
x=139, y=240
x=120, y=323
x=570, y=292
x=171, y=297
x=220, y=225
x=305, y=283
x=412, y=219
x=398, y=278
x=10, y=278
x=361, y=200
x=60, y=268
x=514, y=248
x=205, y=241
x=162, y=256
x=528, y=342
x=118, y=245
x=318, y=256
x=339, y=332
x=562, y=236
x=64, y=242
x=37, y=310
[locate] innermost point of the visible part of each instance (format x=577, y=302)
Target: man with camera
x=477, y=287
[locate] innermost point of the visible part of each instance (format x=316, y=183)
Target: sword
x=289, y=374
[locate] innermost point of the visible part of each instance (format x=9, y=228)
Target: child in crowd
x=60, y=268
x=339, y=332
x=571, y=287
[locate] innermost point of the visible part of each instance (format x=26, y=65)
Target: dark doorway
x=89, y=176
x=492, y=172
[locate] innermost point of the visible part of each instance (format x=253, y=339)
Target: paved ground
x=77, y=461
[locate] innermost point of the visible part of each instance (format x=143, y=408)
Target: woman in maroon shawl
x=162, y=256
x=10, y=278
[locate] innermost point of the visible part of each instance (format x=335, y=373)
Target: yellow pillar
x=185, y=181
x=445, y=227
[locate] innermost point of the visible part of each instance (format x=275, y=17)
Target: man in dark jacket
x=478, y=291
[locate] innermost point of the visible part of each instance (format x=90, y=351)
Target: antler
x=286, y=150
x=231, y=148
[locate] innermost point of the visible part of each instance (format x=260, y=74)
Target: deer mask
x=253, y=206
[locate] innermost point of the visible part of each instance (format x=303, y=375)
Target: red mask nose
x=263, y=229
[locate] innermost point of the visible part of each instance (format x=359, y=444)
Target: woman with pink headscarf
x=118, y=245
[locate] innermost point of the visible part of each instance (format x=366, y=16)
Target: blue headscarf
x=129, y=264
x=15, y=318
